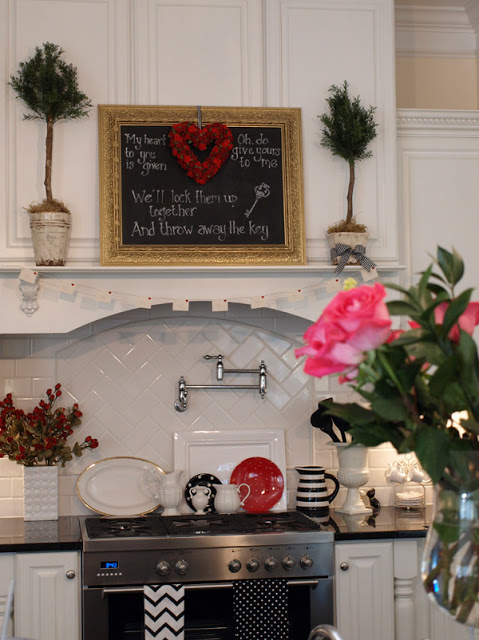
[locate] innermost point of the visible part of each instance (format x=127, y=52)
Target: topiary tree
x=348, y=129
x=49, y=88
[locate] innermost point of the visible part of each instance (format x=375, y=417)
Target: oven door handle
x=203, y=585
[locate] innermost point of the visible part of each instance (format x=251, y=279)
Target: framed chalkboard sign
x=211, y=186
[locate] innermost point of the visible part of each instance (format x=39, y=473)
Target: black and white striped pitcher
x=312, y=492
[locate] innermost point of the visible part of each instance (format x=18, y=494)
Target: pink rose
x=327, y=350
x=354, y=322
x=467, y=322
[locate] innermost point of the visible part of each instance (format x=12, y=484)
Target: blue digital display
x=110, y=565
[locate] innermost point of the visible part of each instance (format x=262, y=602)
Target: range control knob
x=181, y=567
x=288, y=563
x=306, y=562
x=163, y=568
x=270, y=564
x=252, y=565
x=234, y=566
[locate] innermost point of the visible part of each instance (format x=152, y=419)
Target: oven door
x=116, y=613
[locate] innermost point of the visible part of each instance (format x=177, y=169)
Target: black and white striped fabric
x=164, y=611
x=260, y=609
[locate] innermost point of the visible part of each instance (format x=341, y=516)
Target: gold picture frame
x=250, y=213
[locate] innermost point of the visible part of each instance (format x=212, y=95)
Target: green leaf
x=456, y=309
x=424, y=295
x=380, y=434
x=451, y=265
x=427, y=351
x=400, y=308
x=432, y=450
x=351, y=412
x=444, y=375
x=469, y=370
x=389, y=409
x=453, y=398
x=409, y=337
x=396, y=287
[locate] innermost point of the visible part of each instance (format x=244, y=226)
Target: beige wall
x=436, y=83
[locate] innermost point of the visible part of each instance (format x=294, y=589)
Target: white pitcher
x=167, y=488
x=228, y=497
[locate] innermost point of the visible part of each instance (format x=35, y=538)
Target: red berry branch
x=39, y=437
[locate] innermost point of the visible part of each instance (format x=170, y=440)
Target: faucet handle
x=219, y=365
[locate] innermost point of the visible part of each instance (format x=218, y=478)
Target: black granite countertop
x=389, y=522
x=63, y=534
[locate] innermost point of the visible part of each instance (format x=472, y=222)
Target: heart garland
x=185, y=134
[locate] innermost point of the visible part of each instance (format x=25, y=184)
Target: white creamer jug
x=228, y=497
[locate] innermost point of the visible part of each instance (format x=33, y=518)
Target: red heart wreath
x=185, y=134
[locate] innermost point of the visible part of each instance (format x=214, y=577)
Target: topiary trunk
x=352, y=178
x=48, y=158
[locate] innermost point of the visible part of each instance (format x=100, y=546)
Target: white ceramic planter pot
x=40, y=493
x=349, y=239
x=51, y=237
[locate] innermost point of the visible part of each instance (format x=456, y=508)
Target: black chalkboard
x=161, y=205
x=153, y=213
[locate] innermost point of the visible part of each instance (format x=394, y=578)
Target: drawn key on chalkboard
x=261, y=191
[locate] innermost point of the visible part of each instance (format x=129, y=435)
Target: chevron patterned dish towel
x=260, y=609
x=164, y=611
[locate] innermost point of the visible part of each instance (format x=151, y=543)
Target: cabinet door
x=6, y=574
x=47, y=596
x=364, y=590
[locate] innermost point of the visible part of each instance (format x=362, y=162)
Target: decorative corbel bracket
x=29, y=292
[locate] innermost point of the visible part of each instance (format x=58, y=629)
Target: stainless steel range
x=205, y=554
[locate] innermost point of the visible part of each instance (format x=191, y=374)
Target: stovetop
x=199, y=531
x=184, y=525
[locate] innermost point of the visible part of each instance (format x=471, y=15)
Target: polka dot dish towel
x=260, y=609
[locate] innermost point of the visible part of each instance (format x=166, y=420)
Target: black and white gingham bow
x=343, y=251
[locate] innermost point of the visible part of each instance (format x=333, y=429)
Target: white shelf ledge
x=186, y=270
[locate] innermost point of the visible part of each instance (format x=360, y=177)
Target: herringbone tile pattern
x=126, y=381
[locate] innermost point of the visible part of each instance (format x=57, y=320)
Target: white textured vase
x=40, y=493
x=353, y=473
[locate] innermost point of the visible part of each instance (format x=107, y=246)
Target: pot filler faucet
x=181, y=404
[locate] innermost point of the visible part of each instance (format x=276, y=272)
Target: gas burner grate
x=134, y=527
x=238, y=523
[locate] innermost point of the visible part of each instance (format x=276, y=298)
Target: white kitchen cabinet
x=380, y=596
x=7, y=568
x=47, y=595
x=364, y=590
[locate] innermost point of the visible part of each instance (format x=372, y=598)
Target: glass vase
x=450, y=562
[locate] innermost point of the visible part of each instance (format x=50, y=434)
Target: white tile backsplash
x=124, y=372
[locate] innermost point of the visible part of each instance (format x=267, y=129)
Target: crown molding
x=436, y=31
x=438, y=120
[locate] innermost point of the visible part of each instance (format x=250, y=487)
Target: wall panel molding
x=103, y=62
x=438, y=162
x=198, y=52
x=309, y=46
